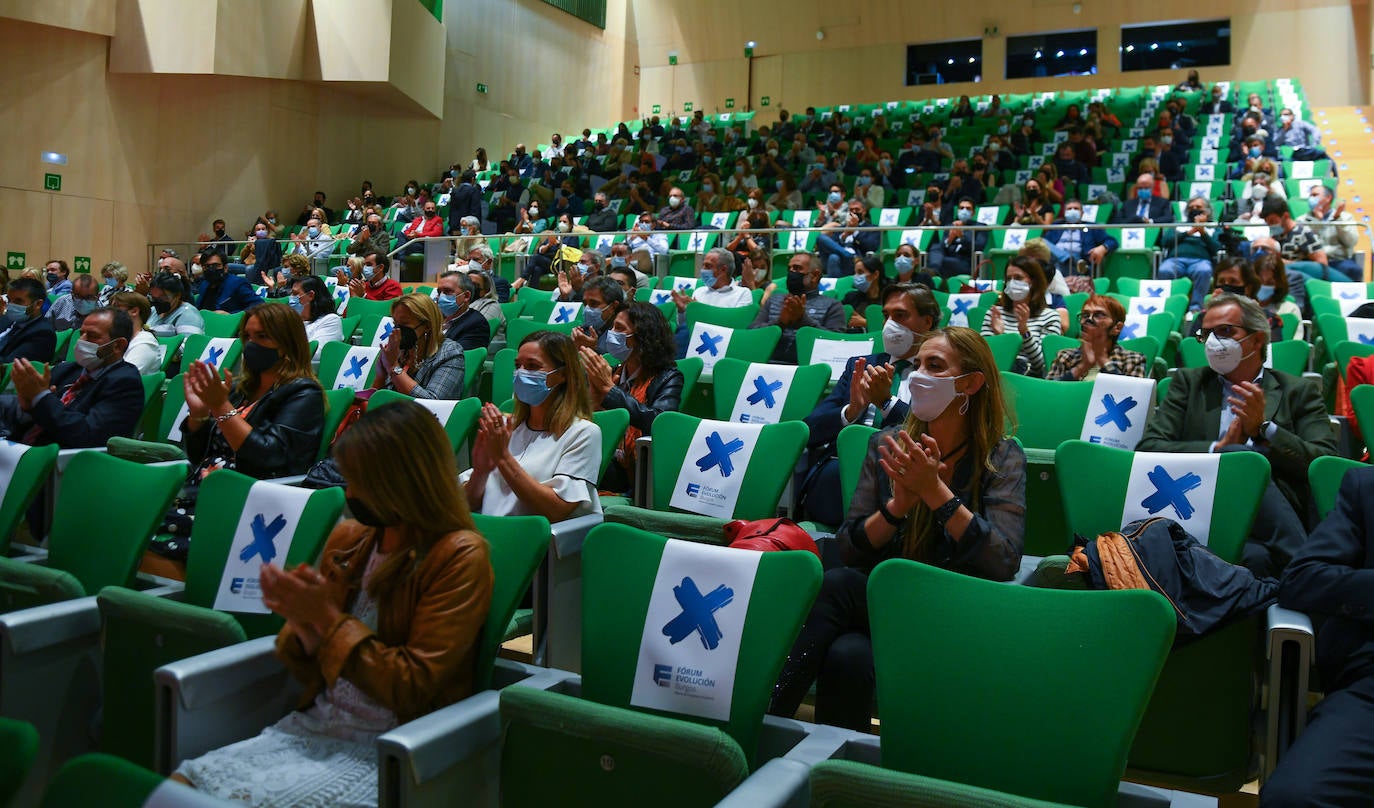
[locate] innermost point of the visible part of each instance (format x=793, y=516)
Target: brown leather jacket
x=423, y=653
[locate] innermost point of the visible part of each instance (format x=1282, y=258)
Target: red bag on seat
x=766, y=535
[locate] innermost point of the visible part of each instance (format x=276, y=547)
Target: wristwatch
x=398, y=370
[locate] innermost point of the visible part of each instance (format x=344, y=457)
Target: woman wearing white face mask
x=947, y=488
x=1021, y=309
x=645, y=383
x=544, y=458
x=742, y=181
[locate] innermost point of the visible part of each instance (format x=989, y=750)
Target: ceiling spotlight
x=1154, y=46
x=971, y=60
x=1130, y=48
x=1059, y=55
x=1083, y=52
x=1037, y=54
x=751, y=44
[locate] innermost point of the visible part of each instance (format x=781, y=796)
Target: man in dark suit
x=1218, y=105
x=1237, y=404
x=1146, y=208
x=1084, y=243
x=466, y=200
x=1152, y=149
x=1332, y=579
x=79, y=404
x=872, y=390
x=952, y=252
x=29, y=334
x=221, y=292
x=462, y=323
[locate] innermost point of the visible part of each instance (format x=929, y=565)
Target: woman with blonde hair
x=116, y=278
x=945, y=488
x=416, y=359
x=710, y=198
x=294, y=267
x=385, y=631
x=546, y=457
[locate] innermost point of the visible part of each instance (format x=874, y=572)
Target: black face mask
x=409, y=337
x=362, y=513
x=796, y=283
x=214, y=274
x=258, y=358
x=1229, y=289
x=1032, y=193
x=161, y=306
x=219, y=231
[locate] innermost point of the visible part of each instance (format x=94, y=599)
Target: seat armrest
x=644, y=472
x=30, y=630
x=433, y=746
x=217, y=698
x=569, y=534
x=779, y=783
x=1289, y=648
x=294, y=479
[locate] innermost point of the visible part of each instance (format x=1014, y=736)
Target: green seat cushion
x=848, y=784
x=588, y=753
x=144, y=451
x=23, y=586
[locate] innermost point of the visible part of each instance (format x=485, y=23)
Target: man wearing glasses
x=1237, y=404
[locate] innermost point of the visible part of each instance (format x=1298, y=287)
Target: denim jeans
x=1197, y=270
x=835, y=254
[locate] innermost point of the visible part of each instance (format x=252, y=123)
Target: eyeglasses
x=1093, y=316
x=1224, y=331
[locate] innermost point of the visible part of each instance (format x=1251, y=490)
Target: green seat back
x=472, y=368
x=1047, y=412
x=737, y=318
x=1188, y=738
x=140, y=633
x=364, y=308
x=751, y=344
x=807, y=337
x=529, y=294
x=619, y=565
x=770, y=467
x=1326, y=474
x=1005, y=348
x=100, y=780
x=171, y=408
x=593, y=754
x=30, y=474
x=1130, y=287
x=170, y=346
x=152, y=403
x=1347, y=350
x=64, y=337
x=691, y=368
x=503, y=375
x=516, y=546
x=852, y=447
x=221, y=325
x=349, y=327
x=461, y=422
x=613, y=424
x=517, y=330
x=932, y=627
x=336, y=404
x=1362, y=402
x=850, y=784
x=332, y=357
x=808, y=385
x=100, y=531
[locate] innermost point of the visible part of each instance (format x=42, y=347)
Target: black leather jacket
x=664, y=394
x=286, y=422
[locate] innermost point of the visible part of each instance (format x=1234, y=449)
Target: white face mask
x=761, y=274
x=932, y=395
x=897, y=339
x=753, y=203
x=1224, y=355
x=87, y=354
x=1259, y=191
x=1018, y=290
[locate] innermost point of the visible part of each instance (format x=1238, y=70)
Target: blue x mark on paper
x=1154, y=291
x=1171, y=492
x=341, y=294
x=564, y=315
x=1114, y=413
x=1365, y=339
x=698, y=613
x=264, y=538
x=355, y=367
x=718, y=454
x=710, y=343
x=213, y=356
x=387, y=328
x=763, y=391
x=1140, y=309
x=962, y=306
x=1129, y=330
x=1350, y=295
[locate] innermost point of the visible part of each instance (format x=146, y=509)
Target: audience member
x=1075, y=248
x=27, y=333
x=545, y=458
x=1190, y=249
x=1337, y=230
x=221, y=292
x=80, y=404
x=1272, y=293
x=416, y=359
x=173, y=313
x=945, y=488
x=293, y=268
x=1022, y=305
x=144, y=351
x=310, y=298
x=1099, y=322
x=385, y=631
x=116, y=279
x=69, y=310
x=463, y=324
x=870, y=281
x=375, y=283
x=952, y=252
x=602, y=301
x=1146, y=208
x=840, y=244
x=464, y=202
x=802, y=306
x=58, y=278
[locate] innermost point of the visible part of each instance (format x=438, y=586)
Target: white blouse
x=570, y=465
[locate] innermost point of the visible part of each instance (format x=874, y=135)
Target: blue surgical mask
x=617, y=345
x=294, y=301
x=448, y=304
x=834, y=197
x=708, y=278
x=618, y=261
x=313, y=231
x=83, y=307
x=1073, y=215
x=904, y=263
x=368, y=272
x=592, y=318
x=16, y=314
x=861, y=283
x=111, y=282
x=1255, y=151
x=1276, y=230
x=1265, y=292
x=530, y=387
x=1144, y=194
